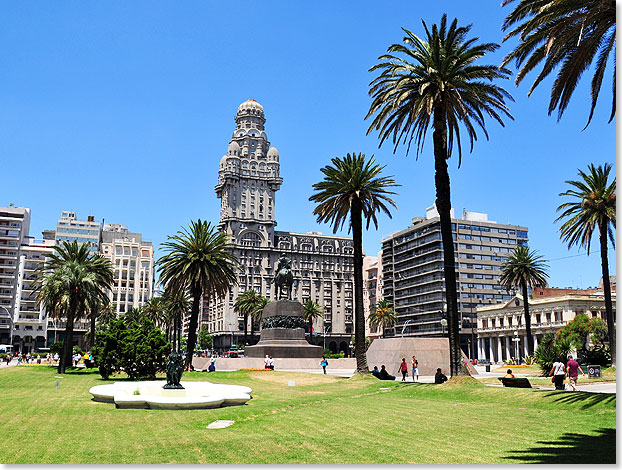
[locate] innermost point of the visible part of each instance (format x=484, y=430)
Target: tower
x=248, y=179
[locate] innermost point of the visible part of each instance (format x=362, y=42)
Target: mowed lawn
x=322, y=419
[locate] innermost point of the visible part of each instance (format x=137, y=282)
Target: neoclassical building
x=248, y=179
x=501, y=327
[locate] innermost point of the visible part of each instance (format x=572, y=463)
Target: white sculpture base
x=150, y=394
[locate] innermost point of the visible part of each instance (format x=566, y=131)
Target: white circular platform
x=150, y=394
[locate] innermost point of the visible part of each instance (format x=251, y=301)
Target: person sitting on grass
x=384, y=375
x=439, y=377
x=509, y=375
x=375, y=372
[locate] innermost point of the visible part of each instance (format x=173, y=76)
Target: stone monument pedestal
x=283, y=333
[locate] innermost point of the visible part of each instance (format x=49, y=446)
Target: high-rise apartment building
x=132, y=261
x=414, y=282
x=69, y=228
x=14, y=226
x=372, y=292
x=248, y=179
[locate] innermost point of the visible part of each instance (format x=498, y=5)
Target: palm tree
x=257, y=314
x=593, y=206
x=73, y=280
x=247, y=303
x=382, y=315
x=353, y=188
x=435, y=82
x=177, y=304
x=201, y=260
x=524, y=268
x=155, y=310
x=564, y=33
x=311, y=312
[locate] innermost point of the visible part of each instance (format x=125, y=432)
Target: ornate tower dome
x=250, y=106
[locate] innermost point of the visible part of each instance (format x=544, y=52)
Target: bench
x=518, y=383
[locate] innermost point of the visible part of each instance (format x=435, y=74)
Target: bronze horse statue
x=283, y=277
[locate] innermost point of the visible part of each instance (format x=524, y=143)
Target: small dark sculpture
x=174, y=371
x=283, y=321
x=283, y=277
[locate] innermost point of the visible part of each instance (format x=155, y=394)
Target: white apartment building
x=69, y=228
x=30, y=320
x=14, y=226
x=132, y=261
x=501, y=327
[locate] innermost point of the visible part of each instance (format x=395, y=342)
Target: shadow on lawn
x=571, y=448
x=585, y=399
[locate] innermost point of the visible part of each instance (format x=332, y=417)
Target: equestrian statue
x=283, y=277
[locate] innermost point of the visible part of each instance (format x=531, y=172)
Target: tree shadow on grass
x=571, y=448
x=585, y=399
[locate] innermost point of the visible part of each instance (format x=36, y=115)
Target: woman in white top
x=558, y=372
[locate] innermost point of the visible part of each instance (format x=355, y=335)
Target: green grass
x=323, y=419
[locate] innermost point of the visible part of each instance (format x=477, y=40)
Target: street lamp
x=443, y=325
x=444, y=319
x=516, y=339
x=325, y=328
x=404, y=326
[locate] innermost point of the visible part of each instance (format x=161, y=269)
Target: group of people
x=570, y=370
x=27, y=358
x=382, y=374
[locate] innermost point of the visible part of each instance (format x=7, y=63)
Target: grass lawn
x=323, y=419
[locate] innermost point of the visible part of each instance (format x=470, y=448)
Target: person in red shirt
x=404, y=369
x=572, y=372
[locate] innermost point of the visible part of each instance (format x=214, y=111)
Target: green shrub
x=132, y=345
x=597, y=355
x=57, y=347
x=78, y=350
x=331, y=355
x=551, y=350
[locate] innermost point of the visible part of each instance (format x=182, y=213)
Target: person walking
x=403, y=369
x=415, y=368
x=324, y=363
x=572, y=372
x=558, y=371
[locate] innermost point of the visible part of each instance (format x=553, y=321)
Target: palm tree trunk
x=194, y=320
x=443, y=205
x=611, y=331
x=356, y=211
x=527, y=318
x=92, y=337
x=65, y=357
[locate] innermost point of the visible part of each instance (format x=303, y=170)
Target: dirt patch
x=300, y=378
x=464, y=380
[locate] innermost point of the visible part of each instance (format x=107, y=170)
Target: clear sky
x=122, y=110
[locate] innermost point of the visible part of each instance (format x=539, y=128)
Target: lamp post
x=325, y=328
x=404, y=326
x=516, y=339
x=443, y=319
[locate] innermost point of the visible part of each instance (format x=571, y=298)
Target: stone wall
x=431, y=354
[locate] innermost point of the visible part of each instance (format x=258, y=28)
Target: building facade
x=248, y=179
x=133, y=264
x=69, y=228
x=372, y=292
x=414, y=282
x=501, y=327
x=14, y=227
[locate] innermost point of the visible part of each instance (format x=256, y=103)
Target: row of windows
x=78, y=231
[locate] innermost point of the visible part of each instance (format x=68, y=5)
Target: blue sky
x=122, y=110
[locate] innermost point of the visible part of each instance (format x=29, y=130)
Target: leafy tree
x=257, y=314
x=383, y=315
x=566, y=35
x=247, y=303
x=593, y=205
x=311, y=312
x=205, y=339
x=551, y=350
x=524, y=269
x=73, y=279
x=133, y=345
x=57, y=347
x=353, y=188
x=580, y=328
x=435, y=82
x=201, y=260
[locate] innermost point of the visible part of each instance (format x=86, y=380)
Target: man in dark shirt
x=572, y=372
x=384, y=375
x=439, y=378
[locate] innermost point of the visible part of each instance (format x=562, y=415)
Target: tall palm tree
x=524, y=268
x=353, y=188
x=177, y=304
x=565, y=33
x=247, y=303
x=257, y=314
x=201, y=260
x=382, y=315
x=593, y=206
x=311, y=311
x=155, y=310
x=435, y=82
x=73, y=280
